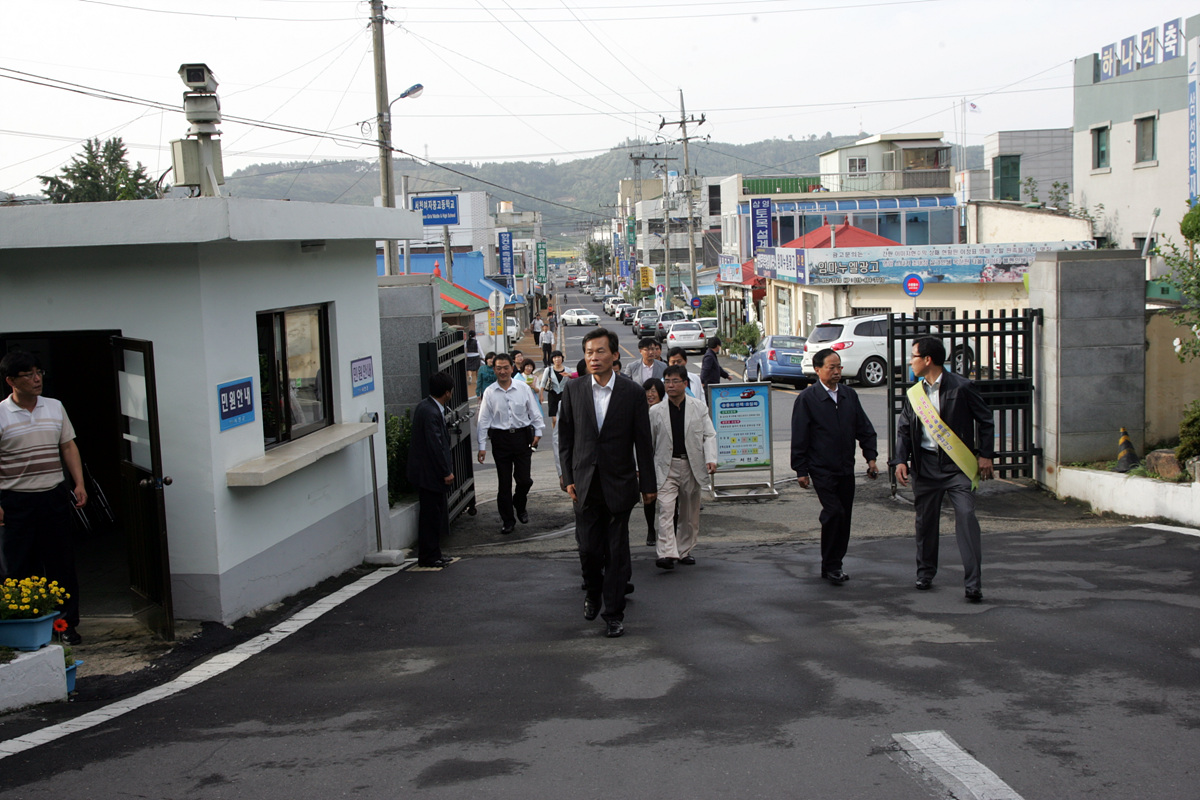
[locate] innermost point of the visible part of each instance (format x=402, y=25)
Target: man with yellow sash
x=946, y=433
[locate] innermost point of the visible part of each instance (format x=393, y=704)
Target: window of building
x=889, y=161
x=856, y=165
x=1146, y=129
x=714, y=201
x=1006, y=178
x=293, y=365
x=1100, y=147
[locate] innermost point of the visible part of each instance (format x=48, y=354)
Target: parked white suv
x=861, y=342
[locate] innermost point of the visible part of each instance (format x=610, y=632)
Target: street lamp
x=387, y=175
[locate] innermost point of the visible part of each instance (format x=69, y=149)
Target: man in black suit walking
x=826, y=421
x=431, y=470
x=944, y=463
x=711, y=370
x=603, y=424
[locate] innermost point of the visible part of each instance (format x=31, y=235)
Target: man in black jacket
x=607, y=457
x=711, y=370
x=934, y=472
x=431, y=470
x=827, y=419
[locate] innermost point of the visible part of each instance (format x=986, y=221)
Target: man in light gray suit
x=685, y=453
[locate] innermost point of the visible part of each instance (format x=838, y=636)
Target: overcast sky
x=538, y=79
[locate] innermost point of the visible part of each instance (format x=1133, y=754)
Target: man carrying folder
x=947, y=434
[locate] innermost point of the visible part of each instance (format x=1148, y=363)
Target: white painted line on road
x=222, y=662
x=944, y=760
x=1170, y=528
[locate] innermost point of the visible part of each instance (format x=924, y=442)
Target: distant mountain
x=572, y=195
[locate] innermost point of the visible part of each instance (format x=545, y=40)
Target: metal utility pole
x=449, y=253
x=407, y=247
x=682, y=122
x=383, y=118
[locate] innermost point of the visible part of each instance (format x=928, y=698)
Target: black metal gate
x=448, y=353
x=994, y=351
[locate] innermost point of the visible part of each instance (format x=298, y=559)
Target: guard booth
x=448, y=353
x=996, y=352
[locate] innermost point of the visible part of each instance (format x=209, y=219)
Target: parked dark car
x=778, y=358
x=645, y=323
x=626, y=314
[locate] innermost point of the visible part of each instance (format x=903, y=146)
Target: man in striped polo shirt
x=36, y=439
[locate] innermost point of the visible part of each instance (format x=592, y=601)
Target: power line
x=212, y=16
x=650, y=17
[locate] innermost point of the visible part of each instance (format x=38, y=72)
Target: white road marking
x=222, y=662
x=944, y=760
x=1171, y=528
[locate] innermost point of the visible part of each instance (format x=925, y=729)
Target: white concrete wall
x=1131, y=495
x=989, y=223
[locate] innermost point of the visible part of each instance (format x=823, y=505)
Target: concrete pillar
x=1090, y=360
x=410, y=312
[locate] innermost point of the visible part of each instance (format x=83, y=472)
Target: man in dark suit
x=826, y=421
x=603, y=424
x=934, y=473
x=431, y=470
x=711, y=370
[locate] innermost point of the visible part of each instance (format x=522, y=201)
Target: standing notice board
x=741, y=415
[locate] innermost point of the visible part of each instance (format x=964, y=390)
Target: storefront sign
x=542, y=265
x=728, y=269
x=781, y=263
x=236, y=401
x=741, y=413
x=1193, y=63
x=948, y=263
x=362, y=376
x=437, y=210
x=760, y=222
x=506, y=253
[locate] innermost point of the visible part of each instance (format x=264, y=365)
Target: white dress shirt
x=832, y=392
x=510, y=409
x=601, y=397
x=934, y=392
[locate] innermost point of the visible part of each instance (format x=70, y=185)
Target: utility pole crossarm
x=682, y=122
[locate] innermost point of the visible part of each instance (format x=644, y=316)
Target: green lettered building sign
x=541, y=262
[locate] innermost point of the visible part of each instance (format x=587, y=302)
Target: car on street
x=861, y=342
x=645, y=322
x=610, y=302
x=625, y=313
x=686, y=334
x=666, y=320
x=778, y=359
x=709, y=324
x=579, y=316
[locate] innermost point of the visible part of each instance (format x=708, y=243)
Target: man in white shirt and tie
x=510, y=420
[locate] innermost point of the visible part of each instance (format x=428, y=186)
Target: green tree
x=597, y=255
x=100, y=173
x=1185, y=278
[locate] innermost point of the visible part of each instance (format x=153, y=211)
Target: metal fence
x=995, y=351
x=448, y=353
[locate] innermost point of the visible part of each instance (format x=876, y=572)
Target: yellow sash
x=940, y=432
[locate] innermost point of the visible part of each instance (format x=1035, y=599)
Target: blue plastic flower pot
x=71, y=675
x=27, y=634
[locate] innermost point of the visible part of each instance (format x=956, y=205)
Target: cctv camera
x=198, y=77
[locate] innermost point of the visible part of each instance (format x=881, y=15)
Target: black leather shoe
x=651, y=540
x=591, y=608
x=665, y=563
x=523, y=516
x=836, y=576
x=974, y=596
x=688, y=561
x=629, y=588
x=71, y=636
x=507, y=529
x=615, y=629
x=924, y=583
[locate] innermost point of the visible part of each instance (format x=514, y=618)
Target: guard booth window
x=293, y=363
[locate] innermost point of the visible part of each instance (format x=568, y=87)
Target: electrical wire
x=211, y=16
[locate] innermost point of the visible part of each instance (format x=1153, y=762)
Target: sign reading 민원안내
x=935, y=263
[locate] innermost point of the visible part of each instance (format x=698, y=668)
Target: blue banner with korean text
x=760, y=222
x=506, y=253
x=1172, y=39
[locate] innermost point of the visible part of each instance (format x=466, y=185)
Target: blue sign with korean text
x=1108, y=62
x=1149, y=47
x=362, y=376
x=1193, y=67
x=506, y=253
x=437, y=210
x=760, y=222
x=1172, y=42
x=624, y=268
x=913, y=284
x=1128, y=54
x=236, y=402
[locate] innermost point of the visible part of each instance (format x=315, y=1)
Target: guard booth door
x=141, y=485
x=448, y=353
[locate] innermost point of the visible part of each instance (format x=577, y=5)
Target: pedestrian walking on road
x=655, y=392
x=677, y=355
x=473, y=358
x=535, y=328
x=487, y=375
x=431, y=469
x=547, y=346
x=711, y=370
x=827, y=419
x=685, y=454
x=649, y=366
x=946, y=434
x=510, y=421
x=607, y=459
x=36, y=441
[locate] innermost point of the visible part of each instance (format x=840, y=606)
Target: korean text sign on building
x=506, y=253
x=437, y=210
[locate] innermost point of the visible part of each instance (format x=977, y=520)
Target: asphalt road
x=745, y=676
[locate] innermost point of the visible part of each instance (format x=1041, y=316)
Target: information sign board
x=741, y=414
x=506, y=253
x=437, y=210
x=235, y=400
x=362, y=376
